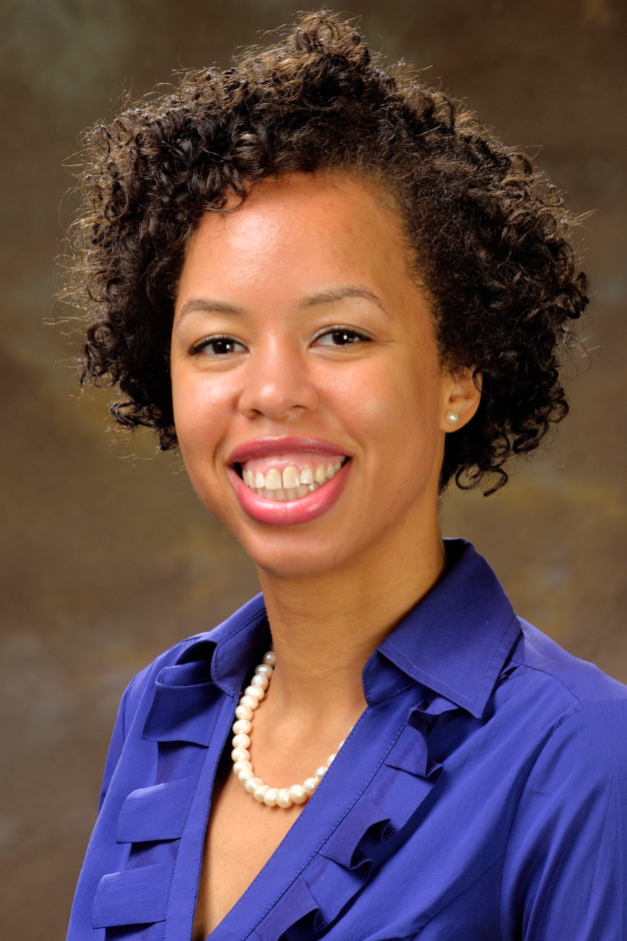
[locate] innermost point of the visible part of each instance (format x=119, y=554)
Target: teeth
x=290, y=484
x=291, y=480
x=273, y=480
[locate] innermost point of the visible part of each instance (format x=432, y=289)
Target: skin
x=335, y=586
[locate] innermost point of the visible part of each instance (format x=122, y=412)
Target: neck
x=326, y=626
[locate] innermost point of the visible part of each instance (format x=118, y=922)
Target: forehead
x=299, y=228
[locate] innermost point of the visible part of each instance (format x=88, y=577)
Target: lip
x=290, y=512
x=267, y=446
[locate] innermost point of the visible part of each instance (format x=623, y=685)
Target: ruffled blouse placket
x=188, y=714
x=375, y=785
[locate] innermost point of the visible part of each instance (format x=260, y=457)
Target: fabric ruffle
x=133, y=904
x=341, y=868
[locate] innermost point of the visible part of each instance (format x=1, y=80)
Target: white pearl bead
x=238, y=765
x=240, y=754
x=260, y=680
x=283, y=798
x=270, y=797
x=452, y=417
x=242, y=727
x=340, y=745
x=264, y=669
x=298, y=794
x=249, y=701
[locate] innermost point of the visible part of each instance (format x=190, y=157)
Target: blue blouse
x=481, y=795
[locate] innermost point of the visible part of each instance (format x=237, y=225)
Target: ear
x=461, y=394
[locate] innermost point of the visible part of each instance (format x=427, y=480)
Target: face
x=309, y=402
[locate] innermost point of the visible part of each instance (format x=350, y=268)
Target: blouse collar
x=455, y=641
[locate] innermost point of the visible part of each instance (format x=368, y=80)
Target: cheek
x=200, y=410
x=393, y=404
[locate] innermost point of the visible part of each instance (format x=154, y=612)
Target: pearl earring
x=452, y=417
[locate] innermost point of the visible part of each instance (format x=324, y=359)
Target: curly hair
x=489, y=235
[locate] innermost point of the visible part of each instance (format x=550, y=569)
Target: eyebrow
x=210, y=305
x=340, y=294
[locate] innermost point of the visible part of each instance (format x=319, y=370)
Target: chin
x=288, y=569
x=293, y=558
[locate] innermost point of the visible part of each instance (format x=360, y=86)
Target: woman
x=335, y=293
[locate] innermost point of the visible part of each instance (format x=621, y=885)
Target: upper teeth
x=291, y=478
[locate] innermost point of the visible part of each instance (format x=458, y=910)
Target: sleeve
x=116, y=744
x=565, y=873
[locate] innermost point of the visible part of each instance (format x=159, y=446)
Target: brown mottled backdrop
x=106, y=555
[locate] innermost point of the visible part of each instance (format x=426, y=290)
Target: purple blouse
x=481, y=795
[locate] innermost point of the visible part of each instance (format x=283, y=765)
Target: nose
x=278, y=384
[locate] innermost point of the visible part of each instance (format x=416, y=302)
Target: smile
x=290, y=480
x=290, y=483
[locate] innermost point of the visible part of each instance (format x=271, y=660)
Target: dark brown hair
x=488, y=233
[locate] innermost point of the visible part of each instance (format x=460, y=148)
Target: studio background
x=106, y=556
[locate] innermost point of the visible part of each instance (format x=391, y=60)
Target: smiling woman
x=302, y=350
x=334, y=292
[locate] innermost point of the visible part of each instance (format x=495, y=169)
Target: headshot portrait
x=325, y=635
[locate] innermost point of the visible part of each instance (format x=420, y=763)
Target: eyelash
x=357, y=335
x=206, y=342
x=202, y=345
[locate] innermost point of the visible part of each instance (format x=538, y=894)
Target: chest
x=241, y=836
x=385, y=843
x=412, y=880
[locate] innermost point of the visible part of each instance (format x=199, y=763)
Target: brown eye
x=218, y=346
x=341, y=336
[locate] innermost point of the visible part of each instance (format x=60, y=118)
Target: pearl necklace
x=270, y=796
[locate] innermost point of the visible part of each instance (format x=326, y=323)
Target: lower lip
x=290, y=512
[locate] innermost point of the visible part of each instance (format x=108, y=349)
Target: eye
x=218, y=346
x=341, y=336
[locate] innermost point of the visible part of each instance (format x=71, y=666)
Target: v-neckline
x=338, y=793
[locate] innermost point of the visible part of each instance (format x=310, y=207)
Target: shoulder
x=577, y=706
x=567, y=845
x=554, y=668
